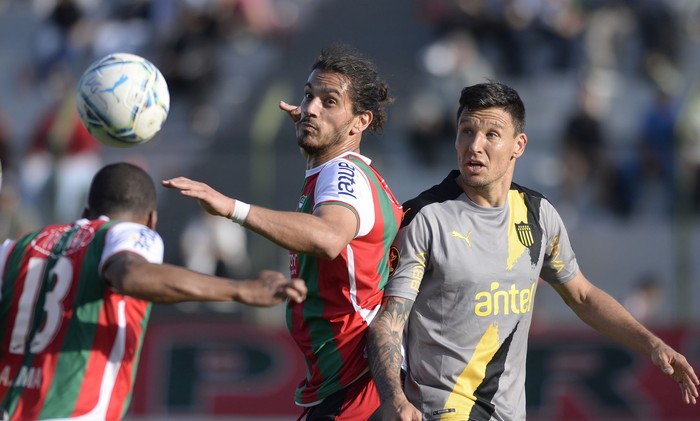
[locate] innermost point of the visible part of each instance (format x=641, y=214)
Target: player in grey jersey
x=466, y=263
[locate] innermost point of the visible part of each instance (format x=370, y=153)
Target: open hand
x=271, y=288
x=211, y=200
x=675, y=365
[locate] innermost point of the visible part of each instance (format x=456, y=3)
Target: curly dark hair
x=368, y=91
x=494, y=95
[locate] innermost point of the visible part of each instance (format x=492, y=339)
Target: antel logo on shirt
x=499, y=300
x=346, y=179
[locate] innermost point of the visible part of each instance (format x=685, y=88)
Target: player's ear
x=520, y=143
x=152, y=220
x=362, y=122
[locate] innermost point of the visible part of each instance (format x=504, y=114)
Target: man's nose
x=311, y=108
x=476, y=142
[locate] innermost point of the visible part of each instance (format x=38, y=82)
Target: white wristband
x=240, y=212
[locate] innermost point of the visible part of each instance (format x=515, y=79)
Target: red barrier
x=579, y=375
x=217, y=368
x=222, y=368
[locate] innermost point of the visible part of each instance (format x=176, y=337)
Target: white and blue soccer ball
x=123, y=100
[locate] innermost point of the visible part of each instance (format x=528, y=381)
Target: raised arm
x=385, y=357
x=132, y=275
x=323, y=234
x=605, y=314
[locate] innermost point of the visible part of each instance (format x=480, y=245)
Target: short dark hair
x=368, y=91
x=493, y=95
x=121, y=188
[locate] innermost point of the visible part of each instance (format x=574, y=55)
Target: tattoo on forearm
x=384, y=345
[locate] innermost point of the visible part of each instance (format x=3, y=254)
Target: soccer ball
x=123, y=100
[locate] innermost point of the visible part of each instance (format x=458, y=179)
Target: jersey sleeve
x=411, y=251
x=559, y=265
x=343, y=183
x=133, y=238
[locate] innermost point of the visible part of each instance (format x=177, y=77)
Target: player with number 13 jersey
x=55, y=298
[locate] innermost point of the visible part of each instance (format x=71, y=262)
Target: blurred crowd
x=592, y=44
x=181, y=37
x=47, y=173
x=598, y=46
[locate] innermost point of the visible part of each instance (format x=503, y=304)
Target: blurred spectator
x=658, y=147
x=584, y=148
x=517, y=36
x=6, y=159
x=215, y=246
x=561, y=25
x=126, y=28
x=499, y=37
x=448, y=64
x=15, y=219
x=644, y=181
x=645, y=299
x=452, y=62
x=56, y=172
x=188, y=56
x=58, y=44
x=260, y=17
x=430, y=126
x=659, y=31
x=688, y=130
x=606, y=38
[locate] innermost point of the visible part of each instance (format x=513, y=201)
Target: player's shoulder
x=532, y=197
x=540, y=208
x=345, y=173
x=527, y=191
x=356, y=159
x=128, y=227
x=447, y=189
x=125, y=235
x=341, y=166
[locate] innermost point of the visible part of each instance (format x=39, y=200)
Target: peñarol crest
x=524, y=231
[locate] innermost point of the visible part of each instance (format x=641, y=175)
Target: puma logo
x=114, y=87
x=465, y=238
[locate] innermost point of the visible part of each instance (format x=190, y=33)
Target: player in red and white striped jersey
x=75, y=301
x=338, y=237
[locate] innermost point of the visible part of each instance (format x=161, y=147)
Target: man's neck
x=313, y=161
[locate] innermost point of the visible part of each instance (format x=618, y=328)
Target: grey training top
x=473, y=272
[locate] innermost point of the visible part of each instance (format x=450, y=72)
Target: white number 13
x=62, y=275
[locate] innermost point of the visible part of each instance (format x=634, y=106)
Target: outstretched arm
x=132, y=275
x=323, y=234
x=384, y=349
x=605, y=314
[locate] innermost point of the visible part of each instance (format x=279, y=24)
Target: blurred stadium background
x=612, y=90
